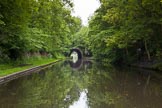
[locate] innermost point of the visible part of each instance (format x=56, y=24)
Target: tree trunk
x=127, y=53
x=147, y=51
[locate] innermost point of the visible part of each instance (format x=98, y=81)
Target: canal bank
x=150, y=65
x=27, y=71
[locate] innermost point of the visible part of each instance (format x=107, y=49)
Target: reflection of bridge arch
x=78, y=51
x=80, y=64
x=76, y=65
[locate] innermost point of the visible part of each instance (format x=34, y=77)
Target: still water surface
x=85, y=84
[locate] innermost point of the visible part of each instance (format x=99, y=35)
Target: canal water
x=84, y=84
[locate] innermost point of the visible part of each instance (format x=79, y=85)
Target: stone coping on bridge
x=29, y=71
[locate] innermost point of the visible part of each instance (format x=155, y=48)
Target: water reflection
x=87, y=85
x=82, y=101
x=80, y=64
x=76, y=65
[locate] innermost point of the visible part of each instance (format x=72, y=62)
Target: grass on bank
x=16, y=66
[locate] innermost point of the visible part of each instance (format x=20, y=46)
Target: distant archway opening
x=78, y=51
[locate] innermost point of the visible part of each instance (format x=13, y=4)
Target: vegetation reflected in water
x=61, y=86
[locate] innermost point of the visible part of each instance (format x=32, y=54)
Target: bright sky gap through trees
x=85, y=8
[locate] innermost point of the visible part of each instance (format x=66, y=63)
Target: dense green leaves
x=130, y=24
x=35, y=26
x=116, y=30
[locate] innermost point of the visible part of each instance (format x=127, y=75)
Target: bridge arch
x=78, y=51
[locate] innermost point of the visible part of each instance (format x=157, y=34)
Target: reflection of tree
x=100, y=90
x=48, y=88
x=49, y=92
x=111, y=88
x=59, y=87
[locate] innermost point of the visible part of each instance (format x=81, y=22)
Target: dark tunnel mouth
x=78, y=51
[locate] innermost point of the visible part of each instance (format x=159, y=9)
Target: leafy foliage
x=124, y=26
x=35, y=26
